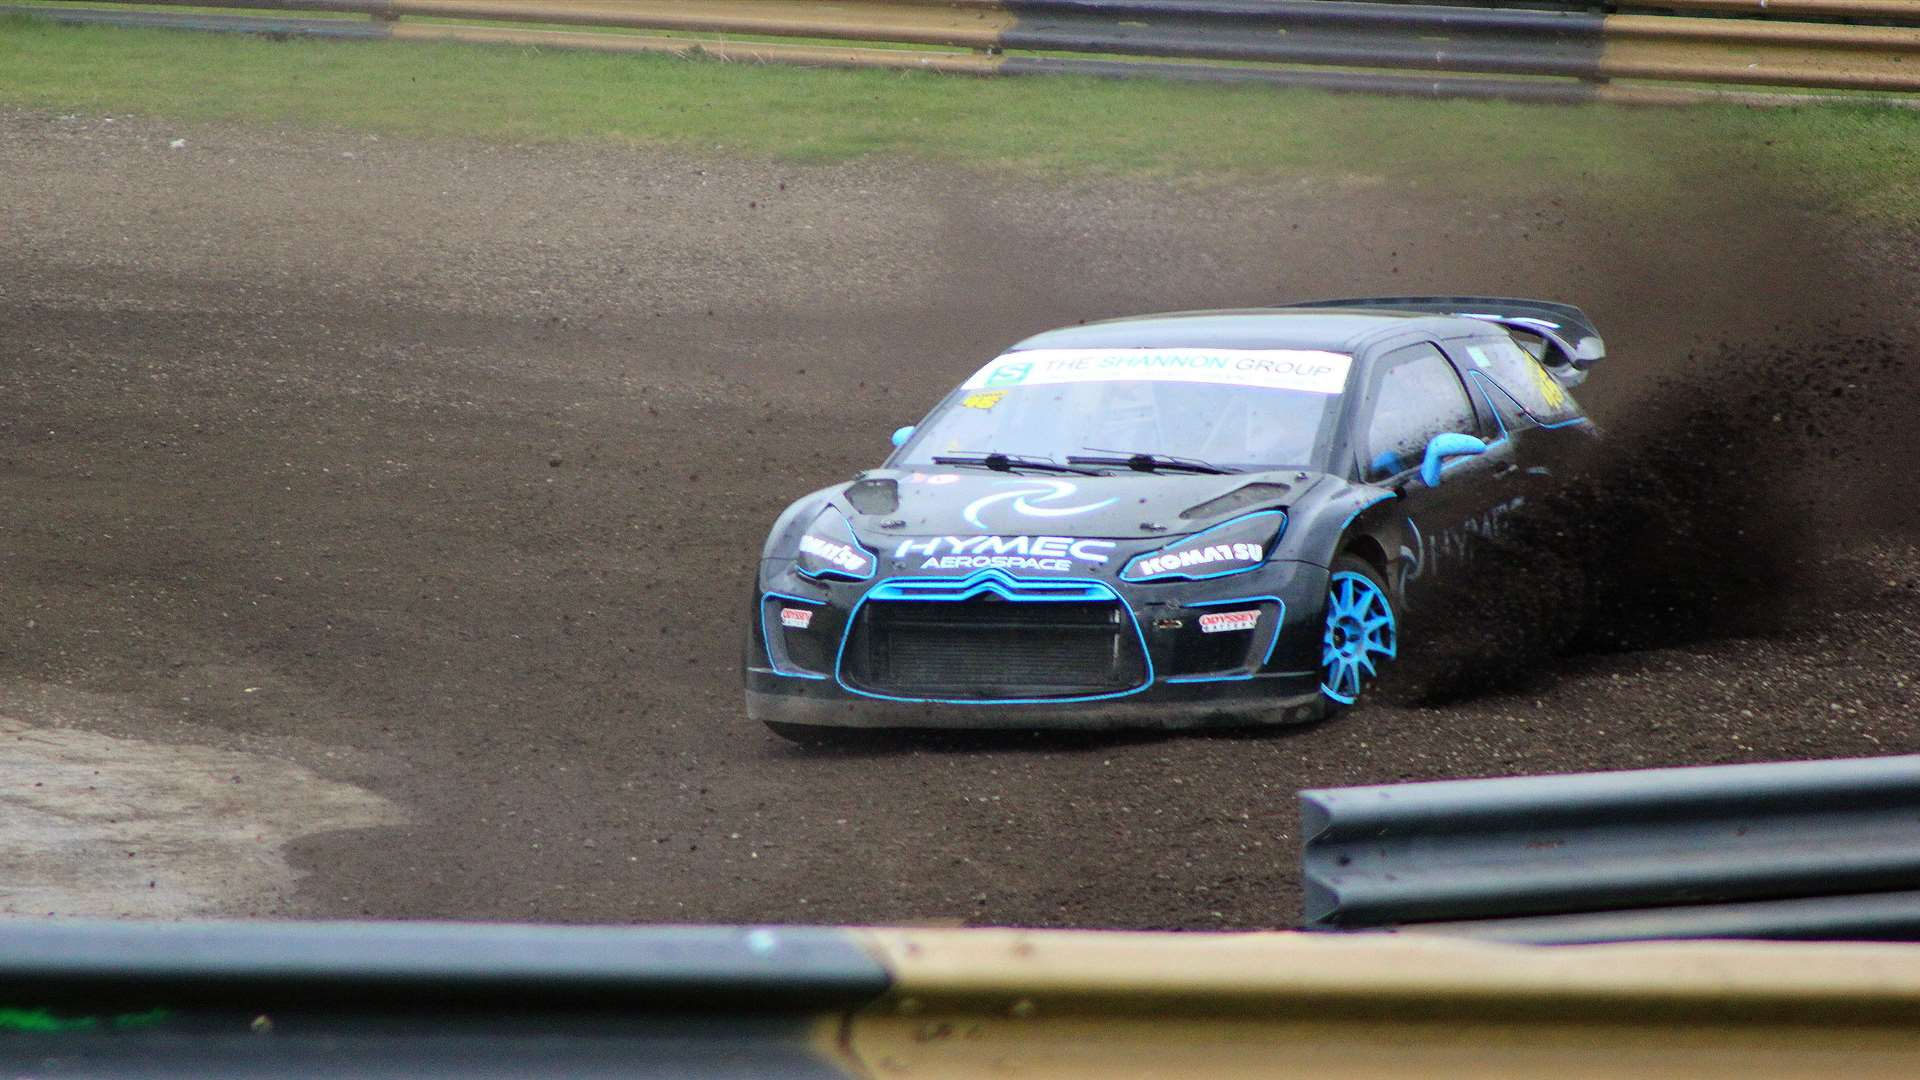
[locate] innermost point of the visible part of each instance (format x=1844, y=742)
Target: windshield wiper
x=1145, y=462
x=1009, y=462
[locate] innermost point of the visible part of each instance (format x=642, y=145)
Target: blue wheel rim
x=1361, y=634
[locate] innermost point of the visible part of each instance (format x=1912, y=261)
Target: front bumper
x=1247, y=705
x=802, y=675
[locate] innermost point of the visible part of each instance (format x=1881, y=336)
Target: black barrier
x=266, y=25
x=425, y=964
x=427, y=999
x=1287, y=15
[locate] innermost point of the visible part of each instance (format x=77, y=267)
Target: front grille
x=989, y=648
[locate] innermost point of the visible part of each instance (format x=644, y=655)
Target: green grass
x=1859, y=159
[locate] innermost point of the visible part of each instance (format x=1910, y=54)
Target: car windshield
x=1251, y=410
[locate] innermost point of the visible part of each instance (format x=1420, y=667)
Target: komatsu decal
x=1053, y=553
x=844, y=556
x=1213, y=553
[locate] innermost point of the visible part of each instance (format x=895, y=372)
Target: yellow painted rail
x=994, y=1003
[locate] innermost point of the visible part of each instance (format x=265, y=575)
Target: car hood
x=972, y=502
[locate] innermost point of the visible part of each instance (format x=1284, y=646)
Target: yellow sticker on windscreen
x=984, y=400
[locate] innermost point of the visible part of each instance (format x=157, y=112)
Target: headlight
x=1233, y=548
x=828, y=549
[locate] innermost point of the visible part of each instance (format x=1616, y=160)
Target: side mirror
x=901, y=435
x=1446, y=445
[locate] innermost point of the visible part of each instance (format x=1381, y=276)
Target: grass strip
x=1860, y=159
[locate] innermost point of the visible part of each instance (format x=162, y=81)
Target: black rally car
x=1165, y=521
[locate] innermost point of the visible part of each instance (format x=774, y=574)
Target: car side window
x=1416, y=396
x=1519, y=374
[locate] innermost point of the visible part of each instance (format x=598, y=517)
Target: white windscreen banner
x=1307, y=370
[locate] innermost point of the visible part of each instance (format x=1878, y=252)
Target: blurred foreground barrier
x=1824, y=849
x=1511, y=52
x=431, y=1000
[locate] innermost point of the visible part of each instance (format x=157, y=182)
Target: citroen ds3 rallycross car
x=1165, y=521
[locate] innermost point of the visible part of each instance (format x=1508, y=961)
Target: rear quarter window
x=1516, y=372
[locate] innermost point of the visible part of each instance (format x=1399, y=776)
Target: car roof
x=1333, y=329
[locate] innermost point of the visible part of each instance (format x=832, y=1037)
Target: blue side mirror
x=901, y=435
x=1449, y=444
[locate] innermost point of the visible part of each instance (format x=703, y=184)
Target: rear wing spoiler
x=1571, y=339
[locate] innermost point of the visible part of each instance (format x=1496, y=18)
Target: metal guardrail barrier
x=1812, y=849
x=1891, y=916
x=107, y=999
x=1421, y=48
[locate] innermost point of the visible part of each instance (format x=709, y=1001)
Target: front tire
x=1362, y=635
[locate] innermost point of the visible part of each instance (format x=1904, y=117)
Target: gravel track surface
x=439, y=469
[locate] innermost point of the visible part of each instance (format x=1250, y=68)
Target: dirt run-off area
x=377, y=518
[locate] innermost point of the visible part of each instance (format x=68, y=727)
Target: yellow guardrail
x=1893, y=10
x=999, y=1003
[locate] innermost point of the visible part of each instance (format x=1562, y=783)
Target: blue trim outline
x=873, y=557
x=1494, y=406
x=1557, y=424
x=1001, y=583
x=1279, y=621
x=1189, y=539
x=1370, y=505
x=1524, y=411
x=766, y=636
